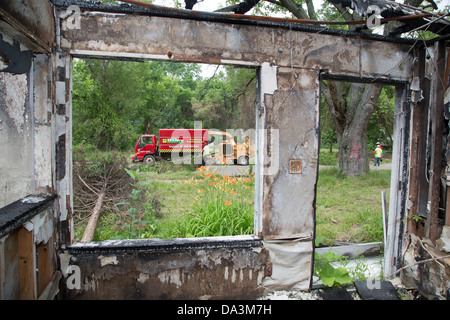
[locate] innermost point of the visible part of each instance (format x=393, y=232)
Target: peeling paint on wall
x=14, y=89
x=15, y=138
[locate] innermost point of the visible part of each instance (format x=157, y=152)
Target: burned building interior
x=40, y=39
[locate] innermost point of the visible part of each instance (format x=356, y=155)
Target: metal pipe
x=286, y=23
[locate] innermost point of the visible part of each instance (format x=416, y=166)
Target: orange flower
x=201, y=190
x=212, y=183
x=215, y=178
x=233, y=193
x=228, y=203
x=209, y=174
x=247, y=180
x=226, y=176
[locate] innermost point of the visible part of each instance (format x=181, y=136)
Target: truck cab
x=146, y=149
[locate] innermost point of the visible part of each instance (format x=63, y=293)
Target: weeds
x=335, y=270
x=348, y=209
x=223, y=205
x=327, y=273
x=136, y=224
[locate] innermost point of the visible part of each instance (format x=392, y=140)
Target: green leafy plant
x=327, y=273
x=414, y=217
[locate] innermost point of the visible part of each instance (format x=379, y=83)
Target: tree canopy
x=114, y=102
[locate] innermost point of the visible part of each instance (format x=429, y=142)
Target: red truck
x=170, y=141
x=221, y=146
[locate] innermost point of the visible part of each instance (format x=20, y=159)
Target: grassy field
x=184, y=201
x=349, y=209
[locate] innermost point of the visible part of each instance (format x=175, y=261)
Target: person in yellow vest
x=378, y=154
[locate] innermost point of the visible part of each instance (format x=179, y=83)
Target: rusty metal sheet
x=295, y=166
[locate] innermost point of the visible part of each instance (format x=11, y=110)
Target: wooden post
x=385, y=215
x=416, y=140
x=27, y=265
x=437, y=133
x=45, y=265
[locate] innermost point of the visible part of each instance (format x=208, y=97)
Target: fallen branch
x=92, y=224
x=86, y=185
x=415, y=264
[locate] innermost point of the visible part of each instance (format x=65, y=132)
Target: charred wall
x=169, y=269
x=290, y=63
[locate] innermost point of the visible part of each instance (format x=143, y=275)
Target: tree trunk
x=92, y=224
x=351, y=107
x=353, y=158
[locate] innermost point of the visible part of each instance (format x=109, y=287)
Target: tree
x=105, y=92
x=351, y=105
x=227, y=99
x=115, y=101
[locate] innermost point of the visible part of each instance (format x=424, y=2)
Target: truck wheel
x=242, y=161
x=149, y=159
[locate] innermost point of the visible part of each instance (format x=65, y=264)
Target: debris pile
x=427, y=265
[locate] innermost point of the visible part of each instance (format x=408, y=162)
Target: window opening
x=195, y=180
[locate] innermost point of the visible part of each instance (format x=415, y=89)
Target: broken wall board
x=202, y=268
x=15, y=138
x=292, y=265
x=23, y=21
x=431, y=277
x=26, y=126
x=27, y=249
x=399, y=181
x=291, y=114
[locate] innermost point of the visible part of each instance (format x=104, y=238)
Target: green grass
x=348, y=209
x=217, y=206
x=183, y=202
x=328, y=158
